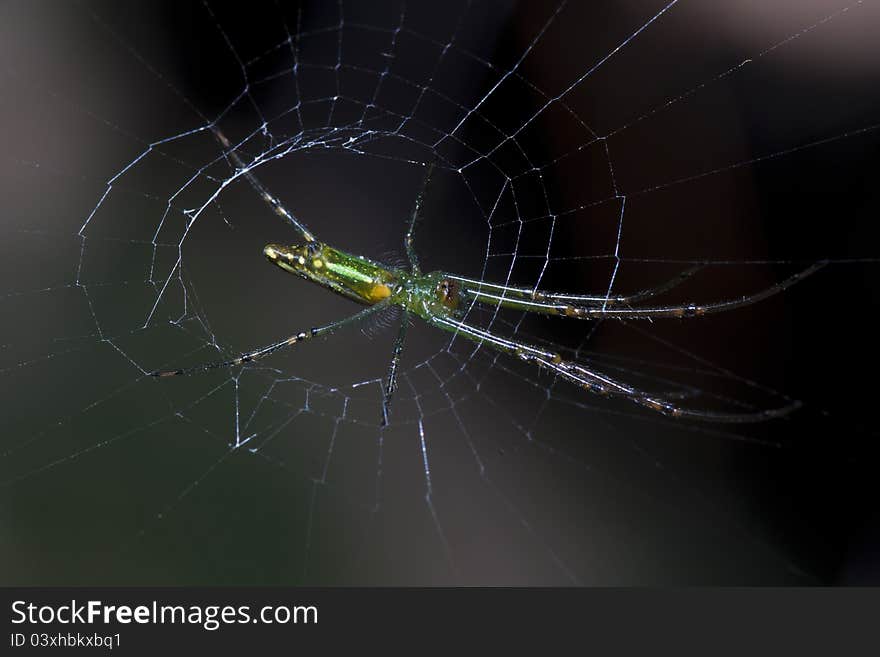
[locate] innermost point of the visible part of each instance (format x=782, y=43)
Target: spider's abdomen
x=355, y=277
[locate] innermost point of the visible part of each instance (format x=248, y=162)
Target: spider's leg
x=391, y=380
x=485, y=292
x=262, y=352
x=655, y=291
x=273, y=202
x=690, y=309
x=595, y=381
x=560, y=305
x=411, y=225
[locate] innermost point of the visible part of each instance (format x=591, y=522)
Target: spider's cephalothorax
x=431, y=295
x=448, y=292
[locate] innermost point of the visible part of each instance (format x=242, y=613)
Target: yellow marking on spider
x=379, y=292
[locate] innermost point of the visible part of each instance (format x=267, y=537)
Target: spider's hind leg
x=235, y=160
x=262, y=352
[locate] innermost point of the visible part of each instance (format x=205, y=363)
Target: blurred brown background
x=112, y=478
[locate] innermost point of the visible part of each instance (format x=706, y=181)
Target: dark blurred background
x=764, y=165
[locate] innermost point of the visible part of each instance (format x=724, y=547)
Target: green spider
x=441, y=298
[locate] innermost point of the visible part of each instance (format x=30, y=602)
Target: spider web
x=587, y=149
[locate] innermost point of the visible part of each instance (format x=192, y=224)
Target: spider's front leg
x=590, y=307
x=595, y=381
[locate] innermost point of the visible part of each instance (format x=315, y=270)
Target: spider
x=441, y=298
